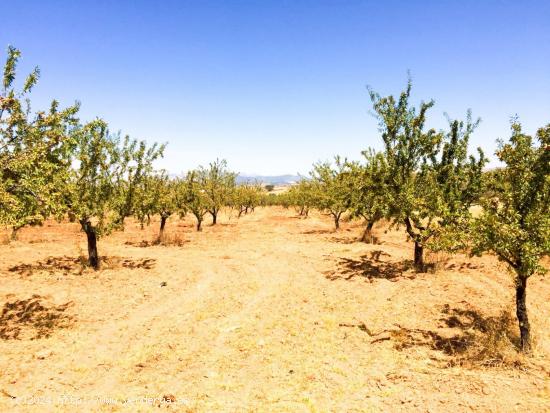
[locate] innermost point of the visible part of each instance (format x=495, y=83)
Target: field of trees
x=398, y=281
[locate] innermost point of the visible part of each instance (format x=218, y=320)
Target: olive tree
x=90, y=194
x=35, y=152
x=515, y=221
x=429, y=171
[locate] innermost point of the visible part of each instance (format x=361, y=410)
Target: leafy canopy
x=515, y=222
x=35, y=151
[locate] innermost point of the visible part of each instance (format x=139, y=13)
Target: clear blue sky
x=273, y=86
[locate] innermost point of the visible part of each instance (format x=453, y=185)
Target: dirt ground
x=267, y=313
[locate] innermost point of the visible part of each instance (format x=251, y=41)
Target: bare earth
x=268, y=313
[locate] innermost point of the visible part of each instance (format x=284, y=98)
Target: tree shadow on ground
x=464, y=337
x=355, y=240
x=169, y=240
x=76, y=266
x=32, y=318
x=370, y=267
x=464, y=265
x=467, y=337
x=142, y=244
x=318, y=231
x=285, y=217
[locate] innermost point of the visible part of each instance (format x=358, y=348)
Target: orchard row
x=426, y=180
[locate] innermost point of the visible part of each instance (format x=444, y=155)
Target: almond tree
x=369, y=191
x=332, y=188
x=145, y=200
x=192, y=197
x=35, y=152
x=136, y=164
x=301, y=196
x=90, y=194
x=218, y=184
x=515, y=222
x=429, y=172
x=156, y=194
x=246, y=197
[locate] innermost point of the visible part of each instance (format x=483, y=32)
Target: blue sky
x=275, y=86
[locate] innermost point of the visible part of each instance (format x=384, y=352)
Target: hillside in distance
x=280, y=180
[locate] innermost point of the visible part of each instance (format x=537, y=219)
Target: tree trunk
x=521, y=312
x=214, y=217
x=418, y=247
x=419, y=256
x=93, y=257
x=14, y=233
x=337, y=221
x=118, y=223
x=367, y=234
x=163, y=219
x=199, y=223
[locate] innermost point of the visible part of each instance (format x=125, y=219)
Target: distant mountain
x=273, y=180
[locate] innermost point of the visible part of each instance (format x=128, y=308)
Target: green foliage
x=92, y=189
x=218, y=184
x=432, y=181
x=135, y=166
x=301, y=196
x=192, y=197
x=35, y=151
x=247, y=196
x=368, y=193
x=332, y=188
x=515, y=221
x=155, y=194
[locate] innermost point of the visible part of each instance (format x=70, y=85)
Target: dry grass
x=171, y=240
x=265, y=313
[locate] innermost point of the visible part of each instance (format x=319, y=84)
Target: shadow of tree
x=318, y=231
x=464, y=265
x=66, y=265
x=480, y=340
x=76, y=266
x=141, y=244
x=342, y=239
x=167, y=240
x=370, y=266
x=32, y=318
x=345, y=240
x=145, y=263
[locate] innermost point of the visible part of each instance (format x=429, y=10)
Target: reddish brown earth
x=269, y=313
